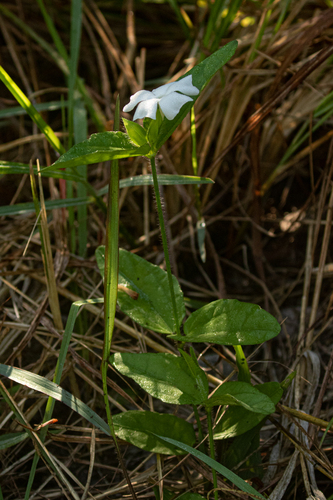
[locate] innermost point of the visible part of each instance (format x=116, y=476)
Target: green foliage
x=237, y=421
x=11, y=439
x=140, y=428
x=213, y=464
x=103, y=146
x=241, y=394
x=164, y=376
x=150, y=282
x=244, y=450
x=230, y=322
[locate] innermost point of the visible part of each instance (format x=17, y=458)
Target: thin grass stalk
x=46, y=250
x=165, y=242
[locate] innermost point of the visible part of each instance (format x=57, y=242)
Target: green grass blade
x=74, y=310
x=42, y=106
x=53, y=31
x=60, y=62
x=31, y=110
x=80, y=134
x=41, y=384
x=182, y=22
x=240, y=483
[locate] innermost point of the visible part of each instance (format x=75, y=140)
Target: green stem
x=200, y=431
x=212, y=451
x=243, y=368
x=111, y=288
x=165, y=242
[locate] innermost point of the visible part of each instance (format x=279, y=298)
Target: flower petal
x=141, y=95
x=146, y=108
x=185, y=86
x=164, y=90
x=171, y=104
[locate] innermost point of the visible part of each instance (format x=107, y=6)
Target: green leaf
x=152, y=309
x=100, y=147
x=241, y=394
x=244, y=448
x=237, y=421
x=229, y=322
x=8, y=167
x=201, y=74
x=12, y=439
x=167, y=495
x=197, y=373
x=136, y=133
x=45, y=386
x=164, y=376
x=228, y=474
x=190, y=496
x=140, y=428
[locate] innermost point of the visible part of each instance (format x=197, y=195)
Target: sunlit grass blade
x=41, y=384
x=31, y=110
x=60, y=62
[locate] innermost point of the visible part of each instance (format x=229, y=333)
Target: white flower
x=166, y=97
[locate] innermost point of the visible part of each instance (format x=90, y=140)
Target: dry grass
x=268, y=218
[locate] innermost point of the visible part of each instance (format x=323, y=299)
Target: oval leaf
x=152, y=309
x=230, y=322
x=236, y=421
x=100, y=147
x=139, y=428
x=164, y=376
x=241, y=394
